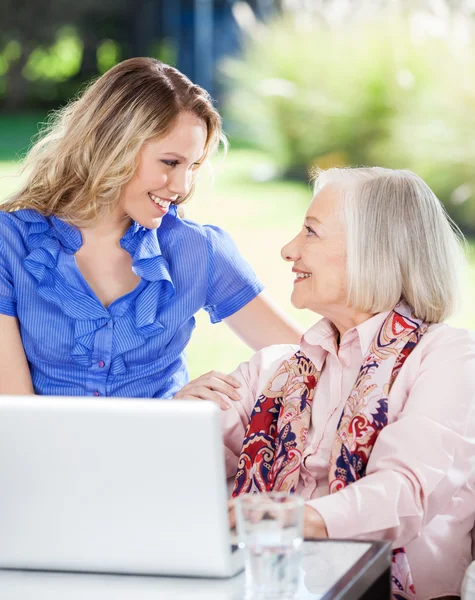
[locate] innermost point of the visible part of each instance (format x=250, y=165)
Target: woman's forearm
x=263, y=323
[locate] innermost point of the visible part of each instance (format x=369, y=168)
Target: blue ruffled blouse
x=134, y=347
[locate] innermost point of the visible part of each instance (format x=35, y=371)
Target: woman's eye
x=170, y=163
x=310, y=231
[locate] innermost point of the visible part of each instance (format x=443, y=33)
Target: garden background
x=301, y=83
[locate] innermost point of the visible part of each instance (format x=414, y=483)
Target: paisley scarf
x=274, y=442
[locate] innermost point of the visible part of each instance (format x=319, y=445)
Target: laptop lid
x=109, y=485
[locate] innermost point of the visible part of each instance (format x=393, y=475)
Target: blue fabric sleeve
x=231, y=281
x=7, y=291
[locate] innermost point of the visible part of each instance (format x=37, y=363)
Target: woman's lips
x=161, y=209
x=301, y=276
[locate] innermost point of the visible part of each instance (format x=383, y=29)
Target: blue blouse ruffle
x=44, y=240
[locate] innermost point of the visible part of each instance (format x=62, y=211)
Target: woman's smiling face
x=165, y=172
x=319, y=256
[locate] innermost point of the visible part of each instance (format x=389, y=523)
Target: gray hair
x=400, y=242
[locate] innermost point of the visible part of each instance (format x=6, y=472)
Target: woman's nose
x=290, y=251
x=180, y=184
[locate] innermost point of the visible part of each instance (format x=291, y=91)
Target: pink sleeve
x=421, y=459
x=253, y=376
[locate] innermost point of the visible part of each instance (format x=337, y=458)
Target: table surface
x=324, y=564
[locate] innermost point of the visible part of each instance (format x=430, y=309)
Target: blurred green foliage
x=60, y=61
x=108, y=54
x=166, y=49
x=55, y=68
x=50, y=48
x=385, y=90
x=10, y=52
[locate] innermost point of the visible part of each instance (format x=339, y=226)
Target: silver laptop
x=112, y=485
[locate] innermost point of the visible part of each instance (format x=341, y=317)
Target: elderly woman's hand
x=313, y=524
x=207, y=386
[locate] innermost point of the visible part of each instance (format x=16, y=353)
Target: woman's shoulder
x=177, y=231
x=9, y=221
x=443, y=335
x=21, y=220
x=210, y=235
x=15, y=226
x=189, y=241
x=271, y=358
x=21, y=231
x=263, y=366
x=443, y=345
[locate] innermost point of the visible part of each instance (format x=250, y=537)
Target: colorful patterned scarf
x=274, y=442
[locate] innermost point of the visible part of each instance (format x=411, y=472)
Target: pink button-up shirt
x=419, y=488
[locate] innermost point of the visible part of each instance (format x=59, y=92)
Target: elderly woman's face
x=319, y=256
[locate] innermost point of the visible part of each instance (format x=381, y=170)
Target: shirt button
x=96, y=393
x=101, y=364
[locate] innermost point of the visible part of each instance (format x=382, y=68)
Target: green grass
x=16, y=133
x=261, y=217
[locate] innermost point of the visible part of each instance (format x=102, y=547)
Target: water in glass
x=270, y=531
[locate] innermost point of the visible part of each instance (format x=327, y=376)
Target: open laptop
x=112, y=485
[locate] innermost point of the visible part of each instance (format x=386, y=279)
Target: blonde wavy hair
x=89, y=149
x=400, y=242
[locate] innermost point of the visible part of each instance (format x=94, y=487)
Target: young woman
x=99, y=276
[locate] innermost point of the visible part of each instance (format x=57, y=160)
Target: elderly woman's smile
x=300, y=275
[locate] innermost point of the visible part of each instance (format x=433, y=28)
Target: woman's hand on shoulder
x=209, y=387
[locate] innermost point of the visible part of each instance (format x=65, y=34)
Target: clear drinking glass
x=270, y=531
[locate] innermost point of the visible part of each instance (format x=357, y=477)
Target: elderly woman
x=370, y=419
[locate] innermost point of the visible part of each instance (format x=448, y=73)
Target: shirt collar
x=70, y=236
x=368, y=330
x=321, y=338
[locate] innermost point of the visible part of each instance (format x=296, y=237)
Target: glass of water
x=270, y=528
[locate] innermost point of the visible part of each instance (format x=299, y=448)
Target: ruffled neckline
x=48, y=236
